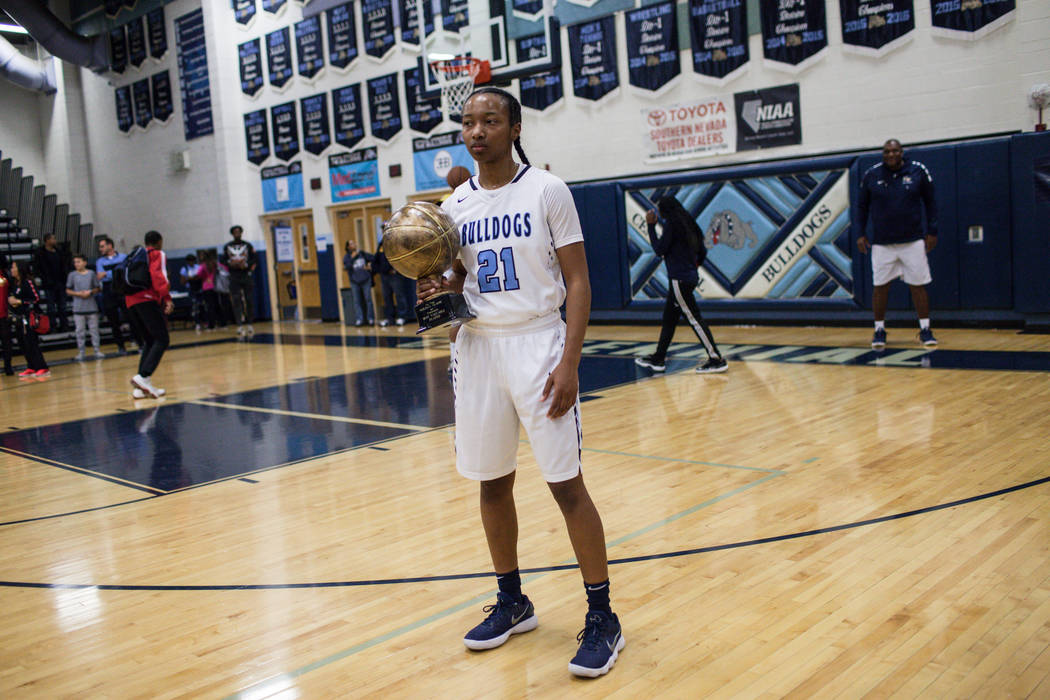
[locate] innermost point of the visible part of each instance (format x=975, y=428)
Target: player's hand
x=562, y=387
x=863, y=245
x=169, y=307
x=650, y=217
x=931, y=243
x=429, y=286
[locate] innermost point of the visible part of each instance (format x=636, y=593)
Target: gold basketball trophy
x=421, y=241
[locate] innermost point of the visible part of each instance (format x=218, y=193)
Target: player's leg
x=916, y=274
x=885, y=267
x=657, y=361
x=687, y=302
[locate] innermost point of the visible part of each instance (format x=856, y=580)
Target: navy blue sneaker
x=600, y=643
x=926, y=337
x=878, y=341
x=505, y=618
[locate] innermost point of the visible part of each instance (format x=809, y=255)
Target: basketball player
x=522, y=256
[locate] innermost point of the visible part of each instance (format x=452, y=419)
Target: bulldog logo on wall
x=726, y=227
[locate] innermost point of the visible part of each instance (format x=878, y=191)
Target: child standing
x=82, y=285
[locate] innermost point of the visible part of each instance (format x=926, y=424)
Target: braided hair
x=513, y=113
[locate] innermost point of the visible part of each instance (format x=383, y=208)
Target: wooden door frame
x=333, y=212
x=265, y=222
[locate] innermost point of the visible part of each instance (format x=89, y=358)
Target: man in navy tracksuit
x=895, y=192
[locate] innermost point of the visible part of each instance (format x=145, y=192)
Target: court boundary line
x=312, y=416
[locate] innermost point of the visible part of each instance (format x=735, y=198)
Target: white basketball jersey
x=508, y=239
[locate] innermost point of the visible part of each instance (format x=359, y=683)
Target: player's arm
x=930, y=204
x=863, y=204
x=563, y=384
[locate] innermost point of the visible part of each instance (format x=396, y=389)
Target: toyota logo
x=657, y=117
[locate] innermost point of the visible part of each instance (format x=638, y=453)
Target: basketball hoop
x=457, y=77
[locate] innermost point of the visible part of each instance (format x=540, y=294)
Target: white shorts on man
x=905, y=260
x=498, y=375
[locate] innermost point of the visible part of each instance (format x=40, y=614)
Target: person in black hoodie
x=23, y=299
x=676, y=237
x=387, y=278
x=53, y=268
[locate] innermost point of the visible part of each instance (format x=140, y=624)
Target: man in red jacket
x=146, y=310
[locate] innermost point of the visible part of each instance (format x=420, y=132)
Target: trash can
x=349, y=316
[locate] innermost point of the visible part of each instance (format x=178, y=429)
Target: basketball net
x=456, y=77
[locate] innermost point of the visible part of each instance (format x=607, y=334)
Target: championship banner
x=140, y=98
x=528, y=10
x=257, y=136
x=250, y=60
x=111, y=7
x=592, y=53
x=118, y=49
x=192, y=57
x=309, y=49
x=125, y=115
x=970, y=19
x=282, y=187
x=279, y=57
x=767, y=118
x=244, y=12
x=454, y=15
x=163, y=102
x=876, y=27
x=316, y=134
x=433, y=157
x=652, y=46
x=274, y=7
x=157, y=32
x=689, y=130
x=423, y=115
x=377, y=23
x=718, y=32
x=342, y=35
x=354, y=175
x=136, y=42
x=410, y=21
x=285, y=131
x=794, y=32
x=384, y=107
x=539, y=90
x=348, y=115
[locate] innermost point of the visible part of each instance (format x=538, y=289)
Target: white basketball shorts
x=904, y=260
x=498, y=380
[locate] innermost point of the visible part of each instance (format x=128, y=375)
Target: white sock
x=924, y=324
x=880, y=325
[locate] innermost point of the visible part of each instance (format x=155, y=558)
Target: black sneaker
x=926, y=337
x=651, y=362
x=600, y=640
x=505, y=618
x=713, y=366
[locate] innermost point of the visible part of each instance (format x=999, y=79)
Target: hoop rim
x=459, y=68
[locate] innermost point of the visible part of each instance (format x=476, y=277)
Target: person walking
x=147, y=309
x=676, y=238
x=898, y=194
x=518, y=362
x=82, y=285
x=240, y=259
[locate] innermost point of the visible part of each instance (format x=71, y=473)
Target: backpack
x=131, y=274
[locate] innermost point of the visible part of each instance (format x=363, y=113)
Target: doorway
x=362, y=223
x=295, y=267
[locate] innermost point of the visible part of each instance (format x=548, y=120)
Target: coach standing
x=895, y=192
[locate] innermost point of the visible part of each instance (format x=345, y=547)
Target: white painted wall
x=20, y=135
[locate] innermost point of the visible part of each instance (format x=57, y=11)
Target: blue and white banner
x=157, y=32
x=282, y=187
x=423, y=114
x=249, y=56
x=317, y=135
x=794, y=33
x=652, y=46
x=274, y=7
x=257, y=136
x=111, y=7
x=970, y=19
x=348, y=115
x=539, y=90
x=377, y=24
x=876, y=27
x=243, y=11
x=454, y=15
x=140, y=97
x=342, y=35
x=163, y=102
x=279, y=57
x=527, y=9
x=354, y=175
x=718, y=31
x=136, y=42
x=384, y=107
x=410, y=21
x=192, y=58
x=285, y=131
x=118, y=49
x=767, y=118
x=433, y=157
x=592, y=52
x=125, y=112
x=309, y=47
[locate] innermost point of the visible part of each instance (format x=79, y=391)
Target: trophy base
x=442, y=312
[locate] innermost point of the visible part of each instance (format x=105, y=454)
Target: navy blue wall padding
x=604, y=241
x=262, y=289
x=1031, y=219
x=329, y=290
x=982, y=181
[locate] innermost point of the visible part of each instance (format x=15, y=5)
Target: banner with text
x=592, y=53
x=794, y=32
x=279, y=57
x=718, y=31
x=433, y=157
x=192, y=57
x=157, y=32
x=317, y=136
x=285, y=131
x=249, y=55
x=539, y=90
x=342, y=35
x=410, y=21
x=136, y=42
x=377, y=25
x=354, y=175
x=454, y=15
x=257, y=136
x=348, y=115
x=970, y=19
x=876, y=27
x=163, y=102
x=282, y=187
x=309, y=49
x=652, y=46
x=768, y=117
x=689, y=130
x=384, y=107
x=423, y=114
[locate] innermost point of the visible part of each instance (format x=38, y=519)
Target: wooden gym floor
x=821, y=521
